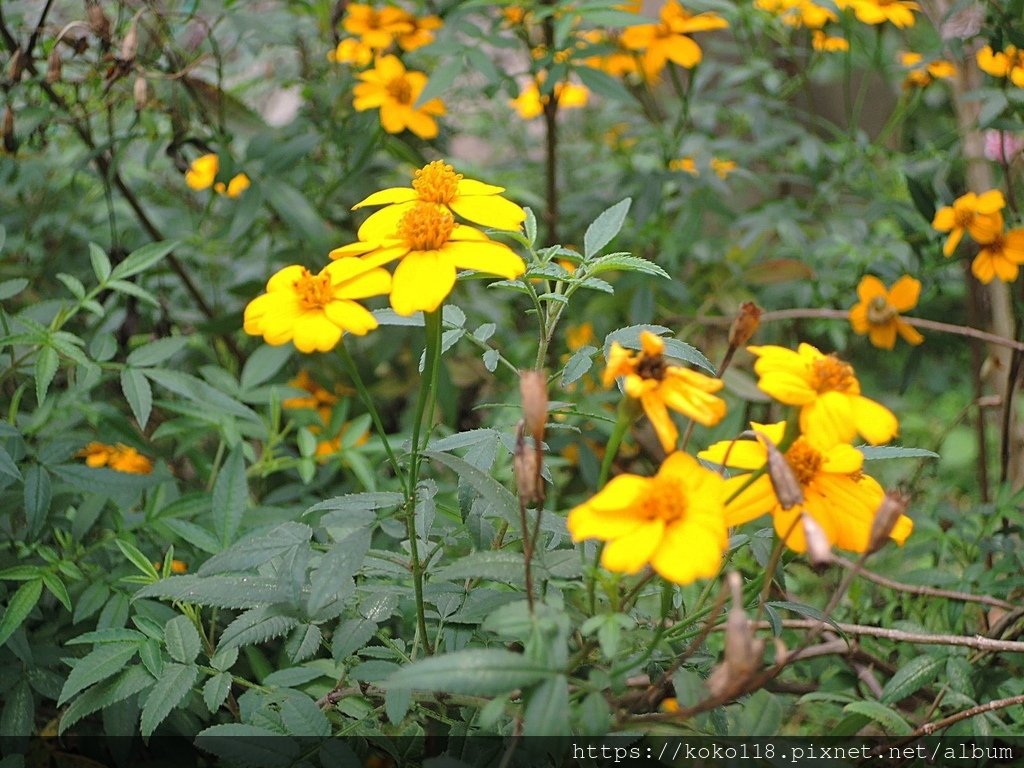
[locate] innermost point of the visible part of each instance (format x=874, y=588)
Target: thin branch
x=929, y=728
x=920, y=638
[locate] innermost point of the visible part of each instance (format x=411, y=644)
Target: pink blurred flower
x=1002, y=147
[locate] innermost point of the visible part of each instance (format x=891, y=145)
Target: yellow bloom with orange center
x=119, y=457
x=422, y=32
x=202, y=174
x=1007, y=63
x=1000, y=257
x=313, y=311
x=980, y=215
x=376, y=28
x=394, y=90
x=659, y=387
x=668, y=40
x=431, y=247
x=922, y=73
x=878, y=312
x=898, y=12
x=317, y=397
x=530, y=103
x=673, y=521
x=438, y=183
x=685, y=164
x=327, y=448
x=837, y=494
x=798, y=13
x=351, y=50
x=827, y=391
x=828, y=43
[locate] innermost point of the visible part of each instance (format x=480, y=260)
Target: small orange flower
x=119, y=457
x=878, y=313
x=530, y=104
x=923, y=74
x=668, y=40
x=1007, y=63
x=1000, y=257
x=980, y=215
x=394, y=90
x=828, y=43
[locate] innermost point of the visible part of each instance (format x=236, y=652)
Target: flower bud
x=893, y=506
x=140, y=92
x=819, y=550
x=533, y=389
x=747, y=321
x=54, y=66
x=130, y=44
x=15, y=66
x=527, y=463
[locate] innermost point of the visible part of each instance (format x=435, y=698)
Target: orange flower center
x=314, y=291
x=400, y=90
x=880, y=311
x=830, y=374
x=426, y=227
x=667, y=502
x=804, y=461
x=436, y=182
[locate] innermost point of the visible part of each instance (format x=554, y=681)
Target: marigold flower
x=178, y=567
x=317, y=397
x=686, y=164
x=837, y=495
x=202, y=172
x=977, y=214
x=314, y=311
x=530, y=104
x=1000, y=257
x=899, y=12
x=235, y=187
x=878, y=313
x=119, y=457
x=377, y=28
x=923, y=74
x=431, y=247
x=828, y=43
x=439, y=184
x=827, y=391
x=660, y=387
x=722, y=168
x=327, y=448
x=672, y=521
x=1008, y=63
x=393, y=90
x=352, y=51
x=667, y=40
x=422, y=32
x=798, y=13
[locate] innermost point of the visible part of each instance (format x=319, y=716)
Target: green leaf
x=156, y=352
x=601, y=83
x=623, y=262
x=882, y=715
x=230, y=497
x=253, y=551
x=131, y=289
x=807, y=611
x=138, y=393
x=604, y=228
x=911, y=677
x=263, y=364
x=872, y=452
x=476, y=672
x=547, y=708
x=630, y=337
x=109, y=635
x=103, y=662
x=299, y=214
x=182, y=639
x=90, y=601
x=198, y=391
x=761, y=715
x=216, y=690
x=224, y=658
x=255, y=626
x=170, y=689
x=56, y=587
x=9, y=288
x=332, y=580
x=530, y=226
x=578, y=365
x=100, y=262
x=501, y=566
x=47, y=362
x=489, y=488
x=7, y=465
x=441, y=79
x=131, y=681
x=143, y=258
x=139, y=560
x=249, y=745
x=18, y=711
x=302, y=717
x=19, y=607
x=218, y=591
x=37, y=499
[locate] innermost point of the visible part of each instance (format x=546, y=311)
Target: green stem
x=364, y=395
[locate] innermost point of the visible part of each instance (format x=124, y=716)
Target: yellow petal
x=630, y=553
x=489, y=211
x=756, y=499
x=876, y=423
x=623, y=492
x=905, y=293
x=829, y=419
x=315, y=333
x=490, y=257
x=664, y=427
x=385, y=196
x=688, y=552
x=350, y=316
x=741, y=454
x=870, y=287
x=383, y=224
x=422, y=280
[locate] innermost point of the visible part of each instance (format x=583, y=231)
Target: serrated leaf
x=441, y=79
x=19, y=607
x=397, y=702
x=139, y=560
x=217, y=591
x=143, y=258
x=625, y=263
x=156, y=352
x=255, y=626
x=761, y=715
x=350, y=636
x=882, y=715
x=581, y=361
x=198, y=391
x=37, y=499
x=911, y=677
x=530, y=226
x=248, y=745
x=173, y=686
x=489, y=488
x=7, y=465
x=605, y=227
x=216, y=690
x=253, y=551
x=131, y=681
x=109, y=635
x=476, y=672
x=56, y=587
x=547, y=708
x=502, y=566
x=47, y=362
x=182, y=639
x=302, y=717
x=100, y=262
x=138, y=393
x=807, y=611
x=304, y=642
x=630, y=337
x=873, y=452
x=230, y=497
x=103, y=662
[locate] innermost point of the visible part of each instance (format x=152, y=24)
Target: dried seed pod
x=819, y=550
x=98, y=21
x=784, y=481
x=533, y=389
x=8, y=131
x=893, y=506
x=527, y=463
x=130, y=44
x=15, y=66
x=140, y=92
x=747, y=321
x=54, y=66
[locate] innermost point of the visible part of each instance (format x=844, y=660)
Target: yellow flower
x=431, y=247
x=579, y=336
x=238, y=184
x=530, y=104
x=119, y=457
x=378, y=29
x=394, y=91
x=514, y=15
x=827, y=391
x=798, y=13
x=177, y=566
x=1000, y=257
x=660, y=387
x=202, y=172
x=672, y=521
x=978, y=214
x=314, y=310
x=722, y=168
x=828, y=43
x=439, y=184
x=1008, y=63
x=923, y=74
x=352, y=51
x=899, y=12
x=878, y=313
x=318, y=396
x=327, y=448
x=838, y=496
x=667, y=40
x=687, y=164
x=421, y=34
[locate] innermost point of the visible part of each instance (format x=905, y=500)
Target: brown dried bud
x=130, y=44
x=743, y=652
x=893, y=506
x=15, y=66
x=8, y=131
x=98, y=21
x=747, y=321
x=527, y=463
x=533, y=389
x=784, y=482
x=54, y=66
x=819, y=550
x=140, y=92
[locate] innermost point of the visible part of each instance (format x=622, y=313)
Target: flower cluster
x=1000, y=252
x=322, y=402
x=119, y=457
x=1007, y=63
x=719, y=166
x=395, y=91
x=897, y=12
x=202, y=174
x=374, y=30
x=669, y=39
x=923, y=73
x=530, y=102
